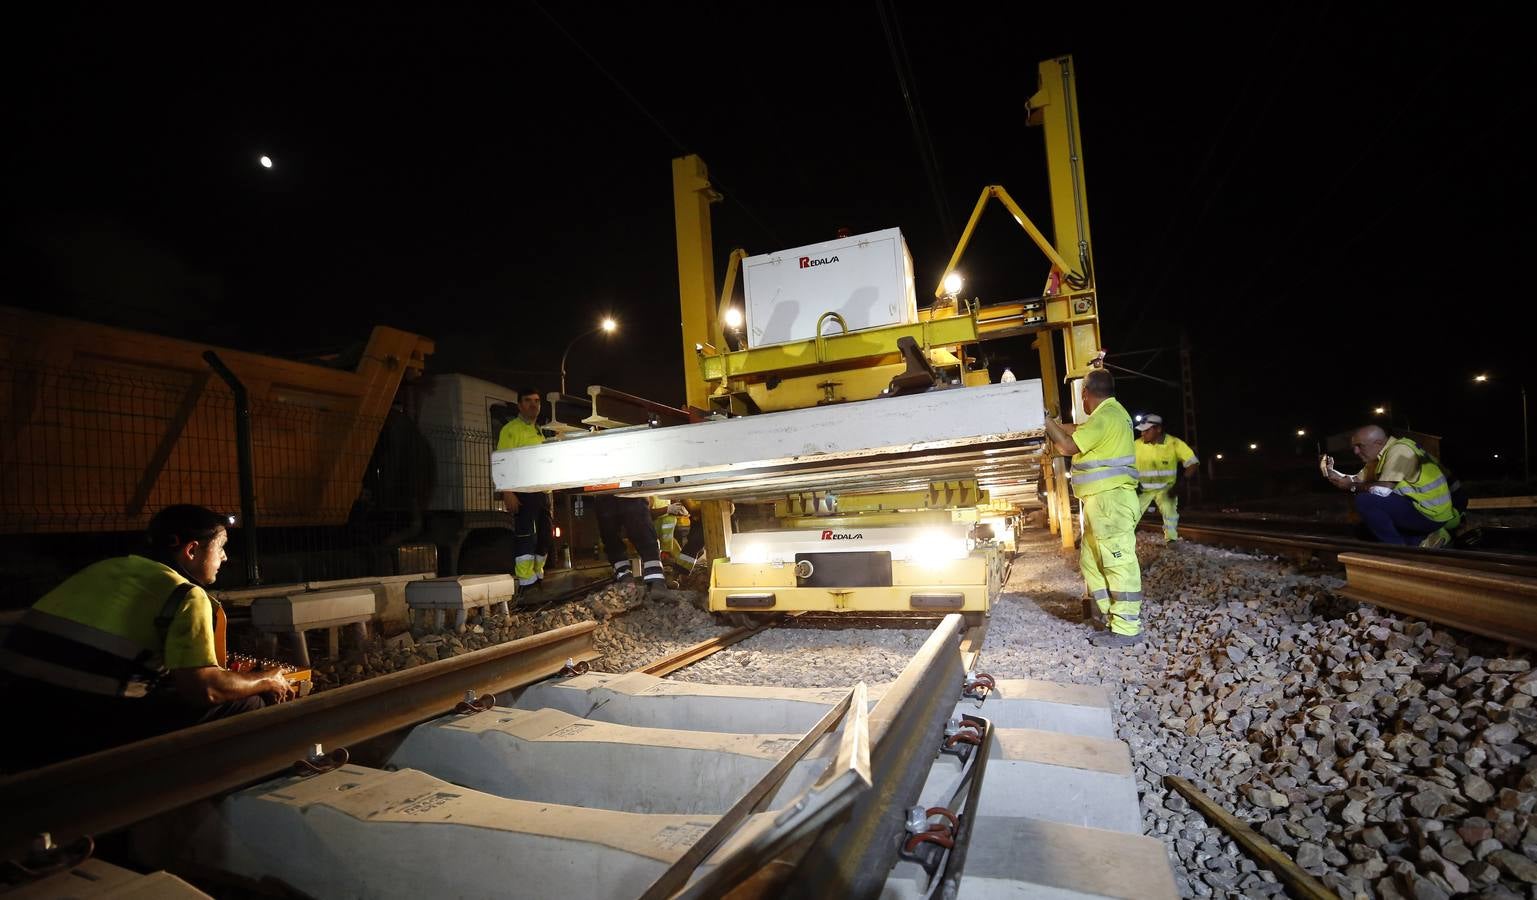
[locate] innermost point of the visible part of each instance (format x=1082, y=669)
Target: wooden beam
x=1298, y=882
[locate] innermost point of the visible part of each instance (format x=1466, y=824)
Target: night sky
x=1334, y=202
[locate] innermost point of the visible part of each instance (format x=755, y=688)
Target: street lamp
x=1302, y=432
x=1254, y=446
x=1380, y=410
x=608, y=327
x=1526, y=447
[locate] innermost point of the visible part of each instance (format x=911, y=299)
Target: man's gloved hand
x=677, y=509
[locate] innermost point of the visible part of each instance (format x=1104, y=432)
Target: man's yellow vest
x=518, y=433
x=1112, y=460
x=1429, y=490
x=1157, y=464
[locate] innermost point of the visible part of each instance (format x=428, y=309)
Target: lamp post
x=608, y=327
x=1526, y=450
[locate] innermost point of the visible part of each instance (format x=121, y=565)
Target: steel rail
x=105, y=791
x=1003, y=461
x=1492, y=594
x=689, y=655
x=1495, y=604
x=853, y=856
x=1329, y=547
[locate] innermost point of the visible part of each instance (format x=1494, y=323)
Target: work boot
x=1438, y=538
x=658, y=590
x=1111, y=639
x=1092, y=615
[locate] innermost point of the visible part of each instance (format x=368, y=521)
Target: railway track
x=626, y=785
x=1493, y=594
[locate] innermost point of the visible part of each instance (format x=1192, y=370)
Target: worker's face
x=203, y=558
x=528, y=406
x=1091, y=401
x=1153, y=434
x=1365, y=448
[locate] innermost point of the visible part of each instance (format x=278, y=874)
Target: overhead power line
x=654, y=119
x=921, y=134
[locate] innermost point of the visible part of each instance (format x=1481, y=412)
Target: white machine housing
x=866, y=278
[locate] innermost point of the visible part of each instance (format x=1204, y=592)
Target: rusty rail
x=1328, y=548
x=1499, y=602
x=690, y=655
x=115, y=788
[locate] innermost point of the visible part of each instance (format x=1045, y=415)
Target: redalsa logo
x=807, y=262
x=830, y=536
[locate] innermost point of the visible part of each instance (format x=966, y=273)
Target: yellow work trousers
x=1108, y=557
x=1168, y=507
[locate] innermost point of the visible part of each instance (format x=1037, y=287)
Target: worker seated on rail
x=1404, y=495
x=131, y=647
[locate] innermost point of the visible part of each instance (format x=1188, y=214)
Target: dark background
x=1334, y=201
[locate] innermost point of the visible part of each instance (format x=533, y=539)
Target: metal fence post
x=244, y=456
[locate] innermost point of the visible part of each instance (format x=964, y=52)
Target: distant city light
x=1480, y=378
x=1219, y=456
x=1254, y=446
x=266, y=162
x=1302, y=432
x=1496, y=456
x=1380, y=410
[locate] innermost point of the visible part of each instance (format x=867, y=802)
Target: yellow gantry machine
x=839, y=365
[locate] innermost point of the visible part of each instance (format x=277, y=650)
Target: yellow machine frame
x=837, y=365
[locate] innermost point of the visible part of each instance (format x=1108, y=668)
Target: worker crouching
x=1403, y=493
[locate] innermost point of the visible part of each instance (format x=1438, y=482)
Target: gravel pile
x=629, y=633
x=1389, y=757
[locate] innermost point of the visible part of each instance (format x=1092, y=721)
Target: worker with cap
x=532, y=527
x=1159, y=457
x=1104, y=479
x=131, y=647
x=1403, y=493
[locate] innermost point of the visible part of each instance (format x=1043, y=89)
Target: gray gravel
x=630, y=633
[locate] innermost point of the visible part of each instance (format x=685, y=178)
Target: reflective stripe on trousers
x=1108, y=557
x=525, y=569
